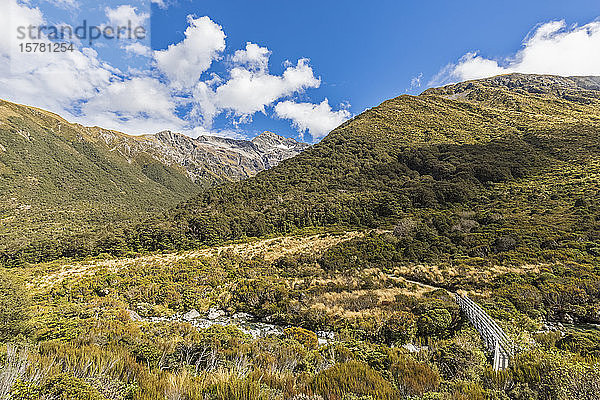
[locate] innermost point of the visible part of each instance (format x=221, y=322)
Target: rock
x=410, y=347
x=326, y=335
x=214, y=313
x=134, y=316
x=208, y=156
x=275, y=148
x=242, y=316
x=567, y=319
x=190, y=315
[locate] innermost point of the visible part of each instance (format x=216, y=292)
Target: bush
x=399, y=328
x=434, y=322
x=60, y=387
x=414, y=378
x=14, y=307
x=305, y=337
x=352, y=377
x=587, y=344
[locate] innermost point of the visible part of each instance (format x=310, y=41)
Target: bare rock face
x=277, y=148
x=208, y=159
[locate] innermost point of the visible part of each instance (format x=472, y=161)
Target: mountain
x=208, y=159
x=476, y=169
x=64, y=183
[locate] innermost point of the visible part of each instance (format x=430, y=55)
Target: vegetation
x=480, y=171
x=92, y=331
x=489, y=187
x=63, y=187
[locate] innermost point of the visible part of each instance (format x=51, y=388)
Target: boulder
x=214, y=313
x=134, y=316
x=191, y=315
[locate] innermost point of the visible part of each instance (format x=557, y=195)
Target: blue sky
x=308, y=66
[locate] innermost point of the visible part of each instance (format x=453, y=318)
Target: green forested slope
x=61, y=184
x=511, y=159
x=504, y=168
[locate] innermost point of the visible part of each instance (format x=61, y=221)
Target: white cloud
x=249, y=90
x=160, y=3
x=13, y=16
x=415, y=82
x=317, y=119
x=49, y=80
x=138, y=49
x=183, y=63
x=83, y=88
x=122, y=15
x=254, y=57
x=131, y=99
x=551, y=48
x=63, y=82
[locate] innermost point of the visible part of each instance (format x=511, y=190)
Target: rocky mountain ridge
x=208, y=159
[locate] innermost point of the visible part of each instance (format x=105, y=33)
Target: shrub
x=434, y=322
x=14, y=307
x=457, y=362
x=352, y=377
x=305, y=337
x=414, y=378
x=586, y=343
x=399, y=328
x=60, y=387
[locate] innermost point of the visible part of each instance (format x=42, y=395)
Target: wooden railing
x=494, y=338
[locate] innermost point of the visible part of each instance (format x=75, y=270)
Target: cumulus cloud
x=139, y=98
x=185, y=62
x=138, y=49
x=83, y=88
x=317, y=119
x=49, y=80
x=122, y=15
x=13, y=16
x=253, y=57
x=78, y=85
x=249, y=90
x=551, y=48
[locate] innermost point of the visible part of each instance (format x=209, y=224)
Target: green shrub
x=414, y=378
x=23, y=390
x=14, y=306
x=434, y=322
x=399, y=328
x=352, y=377
x=305, y=337
x=59, y=387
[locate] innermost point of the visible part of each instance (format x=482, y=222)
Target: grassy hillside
x=61, y=184
x=504, y=170
x=116, y=329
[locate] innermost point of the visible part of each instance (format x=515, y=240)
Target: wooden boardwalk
x=494, y=338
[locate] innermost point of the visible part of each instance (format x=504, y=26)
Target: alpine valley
x=65, y=183
x=164, y=267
